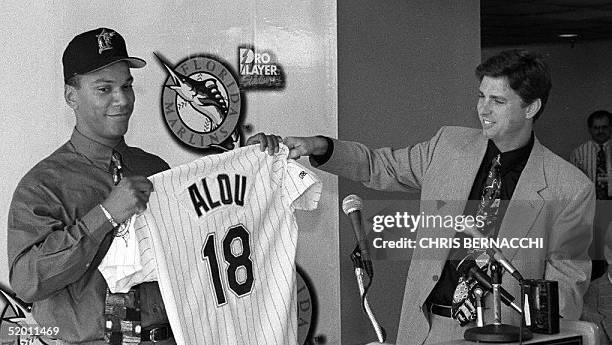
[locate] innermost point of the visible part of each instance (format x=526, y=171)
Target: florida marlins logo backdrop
x=201, y=102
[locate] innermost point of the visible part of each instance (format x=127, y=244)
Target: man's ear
x=533, y=108
x=71, y=96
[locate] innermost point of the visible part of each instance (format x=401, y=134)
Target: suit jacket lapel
x=453, y=189
x=456, y=183
x=526, y=202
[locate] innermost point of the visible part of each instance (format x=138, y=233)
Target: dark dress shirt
x=512, y=165
x=58, y=235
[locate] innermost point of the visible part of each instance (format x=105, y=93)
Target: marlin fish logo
x=199, y=94
x=230, y=143
x=201, y=102
x=16, y=313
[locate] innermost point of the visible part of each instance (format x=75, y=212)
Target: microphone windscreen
x=351, y=203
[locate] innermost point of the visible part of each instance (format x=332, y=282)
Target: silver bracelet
x=109, y=217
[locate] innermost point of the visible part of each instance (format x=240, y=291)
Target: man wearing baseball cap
x=66, y=210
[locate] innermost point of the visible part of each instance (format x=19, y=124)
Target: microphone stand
x=479, y=293
x=360, y=269
x=497, y=332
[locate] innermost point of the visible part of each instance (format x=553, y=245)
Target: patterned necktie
x=464, y=301
x=121, y=310
x=490, y=198
x=601, y=186
x=116, y=167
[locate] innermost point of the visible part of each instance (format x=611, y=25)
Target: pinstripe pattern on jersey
x=120, y=270
x=171, y=236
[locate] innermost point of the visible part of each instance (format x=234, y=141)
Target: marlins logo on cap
x=104, y=40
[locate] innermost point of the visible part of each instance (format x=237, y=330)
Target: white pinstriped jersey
x=223, y=236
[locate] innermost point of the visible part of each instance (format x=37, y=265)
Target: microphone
x=495, y=253
x=351, y=205
x=468, y=266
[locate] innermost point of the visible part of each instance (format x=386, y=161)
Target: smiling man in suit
x=500, y=172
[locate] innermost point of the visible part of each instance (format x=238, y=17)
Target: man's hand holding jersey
x=298, y=146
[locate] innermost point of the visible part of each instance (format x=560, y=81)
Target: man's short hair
x=527, y=73
x=74, y=81
x=599, y=114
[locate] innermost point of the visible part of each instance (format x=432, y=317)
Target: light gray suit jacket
x=553, y=200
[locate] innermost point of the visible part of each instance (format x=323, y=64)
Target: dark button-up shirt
x=58, y=234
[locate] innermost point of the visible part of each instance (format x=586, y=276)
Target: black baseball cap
x=94, y=50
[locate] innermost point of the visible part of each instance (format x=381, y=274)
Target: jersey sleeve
x=302, y=186
x=122, y=267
